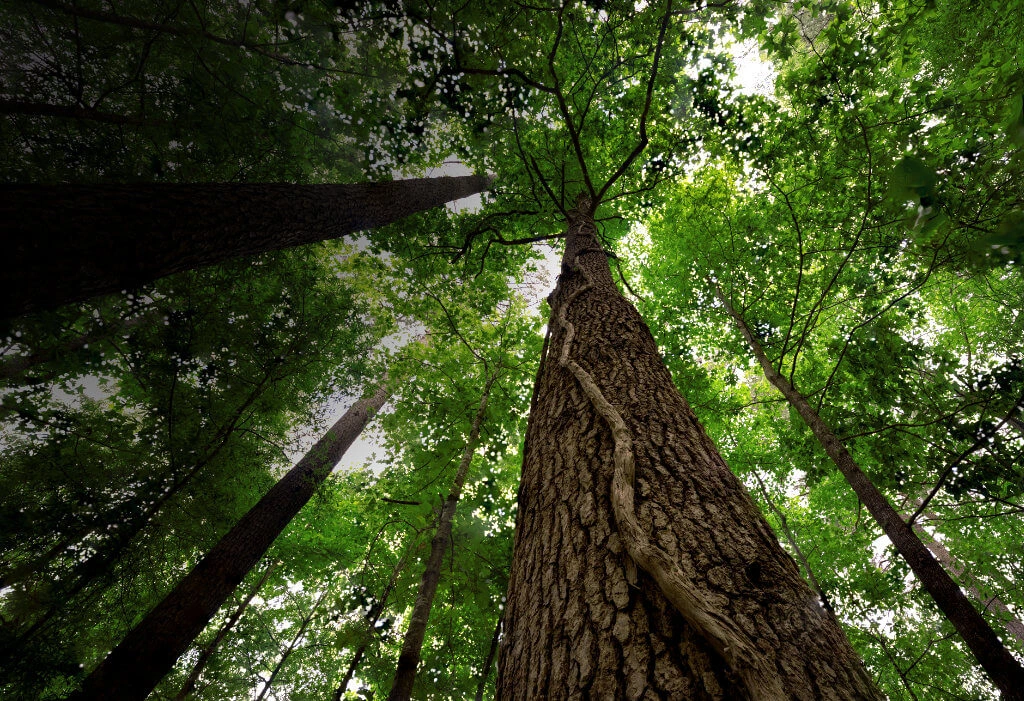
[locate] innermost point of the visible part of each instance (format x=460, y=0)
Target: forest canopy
x=827, y=263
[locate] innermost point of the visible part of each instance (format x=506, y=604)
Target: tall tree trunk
x=150, y=649
x=374, y=615
x=296, y=639
x=207, y=652
x=797, y=550
x=412, y=643
x=719, y=610
x=485, y=673
x=1005, y=672
x=66, y=243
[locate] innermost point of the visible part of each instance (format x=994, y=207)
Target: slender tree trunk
x=150, y=649
x=969, y=582
x=291, y=647
x=207, y=652
x=67, y=243
x=797, y=550
x=492, y=651
x=412, y=643
x=718, y=610
x=374, y=615
x=1005, y=672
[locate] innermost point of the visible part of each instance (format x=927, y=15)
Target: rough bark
x=412, y=643
x=150, y=649
x=67, y=243
x=207, y=652
x=492, y=651
x=1005, y=672
x=718, y=610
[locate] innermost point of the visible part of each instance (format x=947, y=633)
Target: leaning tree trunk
x=65, y=243
x=717, y=609
x=970, y=583
x=412, y=643
x=304, y=624
x=374, y=614
x=1005, y=672
x=150, y=649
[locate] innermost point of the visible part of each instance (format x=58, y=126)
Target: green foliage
x=866, y=220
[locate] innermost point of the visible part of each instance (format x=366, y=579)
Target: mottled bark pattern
x=574, y=625
x=65, y=243
x=150, y=649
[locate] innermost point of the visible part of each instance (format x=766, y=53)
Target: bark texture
x=150, y=649
x=412, y=643
x=713, y=608
x=66, y=243
x=1005, y=672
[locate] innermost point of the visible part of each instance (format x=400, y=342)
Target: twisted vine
x=724, y=635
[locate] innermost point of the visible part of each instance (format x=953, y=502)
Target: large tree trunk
x=65, y=243
x=1005, y=672
x=718, y=610
x=150, y=649
x=412, y=643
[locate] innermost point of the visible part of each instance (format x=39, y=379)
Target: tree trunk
x=485, y=673
x=1005, y=672
x=207, y=652
x=826, y=602
x=70, y=242
x=374, y=615
x=719, y=610
x=412, y=643
x=969, y=582
x=146, y=654
x=291, y=647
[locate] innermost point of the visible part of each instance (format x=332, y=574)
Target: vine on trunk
x=727, y=638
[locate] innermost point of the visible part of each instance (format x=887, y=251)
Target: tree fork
x=1005, y=672
x=151, y=648
x=67, y=243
